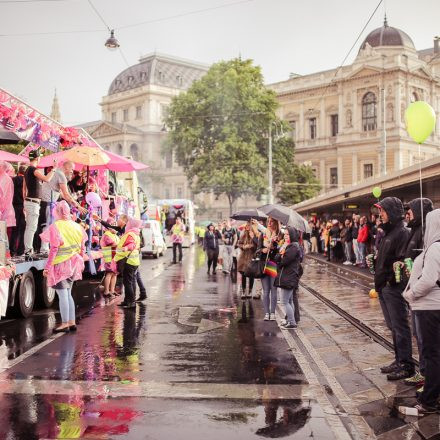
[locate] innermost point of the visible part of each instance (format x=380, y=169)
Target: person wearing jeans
x=268, y=244
x=177, y=234
x=423, y=296
x=289, y=260
x=33, y=179
x=362, y=241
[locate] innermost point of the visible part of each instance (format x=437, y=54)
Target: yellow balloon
x=420, y=121
x=373, y=293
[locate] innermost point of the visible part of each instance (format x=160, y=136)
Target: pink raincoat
x=74, y=266
x=7, y=212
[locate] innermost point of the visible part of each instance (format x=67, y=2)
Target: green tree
x=294, y=183
x=217, y=130
x=218, y=133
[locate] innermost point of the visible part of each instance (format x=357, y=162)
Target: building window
x=125, y=117
x=179, y=80
x=179, y=192
x=167, y=193
x=134, y=152
x=169, y=159
x=119, y=149
x=163, y=111
x=219, y=215
x=130, y=80
x=368, y=170
x=369, y=112
x=293, y=129
x=139, y=112
x=334, y=124
x=414, y=97
x=143, y=76
x=113, y=117
x=160, y=75
x=312, y=125
x=390, y=112
x=334, y=176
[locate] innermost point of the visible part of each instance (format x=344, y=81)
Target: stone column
x=322, y=120
x=322, y=178
x=354, y=163
x=397, y=105
x=340, y=171
x=301, y=132
x=355, y=112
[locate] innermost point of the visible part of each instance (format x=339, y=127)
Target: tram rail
x=363, y=327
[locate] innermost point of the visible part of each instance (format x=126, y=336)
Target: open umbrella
x=11, y=157
x=249, y=214
x=88, y=156
x=287, y=216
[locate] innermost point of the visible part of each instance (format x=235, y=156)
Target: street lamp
x=270, y=174
x=112, y=43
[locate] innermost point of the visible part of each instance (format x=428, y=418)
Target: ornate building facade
x=339, y=118
x=132, y=124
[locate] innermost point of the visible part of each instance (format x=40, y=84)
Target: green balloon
x=420, y=121
x=377, y=192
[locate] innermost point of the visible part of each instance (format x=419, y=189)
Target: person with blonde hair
x=65, y=263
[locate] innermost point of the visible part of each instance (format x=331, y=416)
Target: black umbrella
x=249, y=214
x=287, y=216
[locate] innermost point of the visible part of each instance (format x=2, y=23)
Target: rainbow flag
x=270, y=269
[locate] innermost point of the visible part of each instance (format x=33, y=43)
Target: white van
x=152, y=239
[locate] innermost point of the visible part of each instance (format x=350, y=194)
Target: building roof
x=387, y=36
x=158, y=69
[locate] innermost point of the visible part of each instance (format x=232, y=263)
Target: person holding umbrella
x=247, y=244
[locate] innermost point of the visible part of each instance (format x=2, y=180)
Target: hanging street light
x=112, y=43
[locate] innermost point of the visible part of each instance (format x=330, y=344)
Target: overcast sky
x=282, y=36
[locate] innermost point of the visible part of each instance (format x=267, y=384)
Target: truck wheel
x=45, y=295
x=25, y=299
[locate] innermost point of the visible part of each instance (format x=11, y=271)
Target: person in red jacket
x=363, y=240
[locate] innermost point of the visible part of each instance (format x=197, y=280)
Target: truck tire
x=25, y=296
x=45, y=295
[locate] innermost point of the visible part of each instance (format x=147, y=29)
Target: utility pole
x=270, y=177
x=384, y=135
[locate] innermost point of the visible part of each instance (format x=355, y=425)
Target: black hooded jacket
x=289, y=263
x=415, y=243
x=393, y=246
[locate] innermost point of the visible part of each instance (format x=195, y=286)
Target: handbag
x=270, y=269
x=256, y=267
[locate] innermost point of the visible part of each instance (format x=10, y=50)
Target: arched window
x=414, y=97
x=369, y=112
x=134, y=152
x=119, y=149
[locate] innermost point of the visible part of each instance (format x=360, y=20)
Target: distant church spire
x=55, y=112
x=385, y=21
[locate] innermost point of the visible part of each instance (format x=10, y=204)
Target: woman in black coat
x=289, y=264
x=211, y=246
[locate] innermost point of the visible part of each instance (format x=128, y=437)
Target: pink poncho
x=74, y=266
x=7, y=212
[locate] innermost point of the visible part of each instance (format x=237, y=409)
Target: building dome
x=161, y=70
x=388, y=36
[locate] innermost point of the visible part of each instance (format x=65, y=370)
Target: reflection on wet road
x=233, y=374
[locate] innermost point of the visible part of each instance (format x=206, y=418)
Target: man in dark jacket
x=413, y=249
x=395, y=310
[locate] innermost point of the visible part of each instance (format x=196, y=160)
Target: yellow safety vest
x=132, y=256
x=107, y=251
x=72, y=235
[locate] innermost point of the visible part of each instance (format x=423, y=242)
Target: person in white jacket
x=423, y=296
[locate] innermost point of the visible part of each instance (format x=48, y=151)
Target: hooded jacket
x=415, y=242
x=423, y=292
x=289, y=263
x=393, y=245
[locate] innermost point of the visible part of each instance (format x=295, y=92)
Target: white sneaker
x=283, y=321
x=272, y=317
x=267, y=317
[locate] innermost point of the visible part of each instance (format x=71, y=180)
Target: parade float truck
x=173, y=208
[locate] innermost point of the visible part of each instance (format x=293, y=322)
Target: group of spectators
x=349, y=240
x=402, y=245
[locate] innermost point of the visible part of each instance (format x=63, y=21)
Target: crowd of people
x=259, y=250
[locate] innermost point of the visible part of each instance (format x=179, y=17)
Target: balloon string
x=421, y=196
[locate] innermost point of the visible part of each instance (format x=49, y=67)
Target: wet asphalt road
x=193, y=362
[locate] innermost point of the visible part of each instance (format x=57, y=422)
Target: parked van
x=152, y=239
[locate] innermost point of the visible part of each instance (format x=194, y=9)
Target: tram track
x=357, y=323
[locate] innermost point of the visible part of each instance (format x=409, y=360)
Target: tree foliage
x=218, y=132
